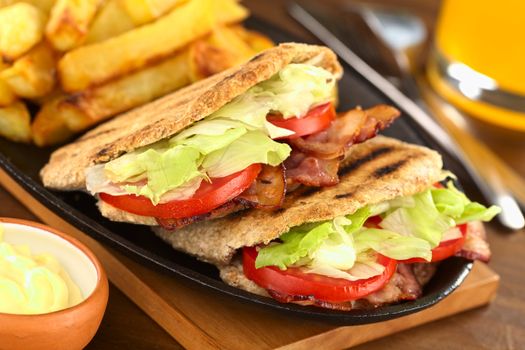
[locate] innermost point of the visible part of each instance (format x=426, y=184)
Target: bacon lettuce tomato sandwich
x=374, y=238
x=240, y=139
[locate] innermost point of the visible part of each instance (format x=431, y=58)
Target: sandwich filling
x=353, y=256
x=236, y=157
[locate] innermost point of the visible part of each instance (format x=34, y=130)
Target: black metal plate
x=23, y=162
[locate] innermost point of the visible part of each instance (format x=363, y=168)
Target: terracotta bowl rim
x=101, y=275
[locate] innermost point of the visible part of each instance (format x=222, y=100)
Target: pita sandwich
x=216, y=147
x=380, y=178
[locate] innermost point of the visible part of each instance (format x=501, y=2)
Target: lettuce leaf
x=296, y=244
x=392, y=244
x=206, y=144
x=252, y=147
x=454, y=203
x=423, y=220
x=340, y=244
x=291, y=92
x=166, y=170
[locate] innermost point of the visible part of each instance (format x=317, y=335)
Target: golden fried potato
x=49, y=128
x=112, y=20
x=98, y=63
x=69, y=22
x=89, y=107
x=32, y=75
x=56, y=92
x=257, y=41
x=144, y=11
x=120, y=16
x=220, y=50
x=21, y=27
x=43, y=5
x=229, y=11
x=7, y=96
x=15, y=122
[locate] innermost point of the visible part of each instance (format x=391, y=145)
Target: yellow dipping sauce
x=33, y=284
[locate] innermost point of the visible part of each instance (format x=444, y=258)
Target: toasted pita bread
x=168, y=115
x=377, y=170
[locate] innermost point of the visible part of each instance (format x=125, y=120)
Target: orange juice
x=486, y=40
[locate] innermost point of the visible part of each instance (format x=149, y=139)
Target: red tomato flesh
x=317, y=119
x=294, y=281
x=208, y=197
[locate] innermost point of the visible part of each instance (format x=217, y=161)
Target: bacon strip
x=352, y=127
x=402, y=286
x=267, y=191
x=476, y=246
x=225, y=209
x=310, y=171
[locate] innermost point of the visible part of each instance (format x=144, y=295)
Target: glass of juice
x=478, y=61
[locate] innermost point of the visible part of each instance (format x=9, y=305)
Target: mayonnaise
x=33, y=284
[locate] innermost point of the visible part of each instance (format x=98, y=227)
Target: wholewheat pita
x=168, y=115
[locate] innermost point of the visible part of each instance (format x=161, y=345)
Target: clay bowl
x=71, y=328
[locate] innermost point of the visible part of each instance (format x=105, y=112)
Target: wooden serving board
x=199, y=318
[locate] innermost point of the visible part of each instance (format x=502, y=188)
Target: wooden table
x=498, y=326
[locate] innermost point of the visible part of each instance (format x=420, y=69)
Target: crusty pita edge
x=115, y=214
x=233, y=275
x=377, y=170
x=168, y=115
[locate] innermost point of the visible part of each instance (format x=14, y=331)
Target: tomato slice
x=317, y=119
x=293, y=281
x=208, y=197
x=445, y=249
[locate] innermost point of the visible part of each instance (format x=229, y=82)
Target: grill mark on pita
x=103, y=152
x=343, y=195
x=388, y=169
x=346, y=170
x=309, y=191
x=378, y=173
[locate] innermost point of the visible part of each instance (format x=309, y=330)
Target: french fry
x=220, y=50
x=43, y=5
x=98, y=63
x=89, y=107
x=32, y=75
x=69, y=22
x=40, y=101
x=144, y=11
x=112, y=20
x=7, y=96
x=15, y=122
x=21, y=27
x=49, y=128
x=229, y=11
x=120, y=16
x=257, y=41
